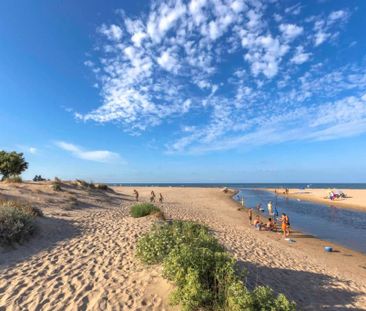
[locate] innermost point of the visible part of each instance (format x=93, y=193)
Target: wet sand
x=84, y=258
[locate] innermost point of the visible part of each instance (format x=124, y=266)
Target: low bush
x=38, y=178
x=13, y=179
x=16, y=222
x=27, y=208
x=56, y=186
x=143, y=209
x=83, y=184
x=204, y=273
x=103, y=187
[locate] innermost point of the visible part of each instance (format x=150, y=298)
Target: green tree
x=12, y=164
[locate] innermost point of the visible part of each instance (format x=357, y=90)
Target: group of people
x=152, y=196
x=270, y=225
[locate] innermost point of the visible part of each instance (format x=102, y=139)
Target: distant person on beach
x=257, y=223
x=270, y=225
x=152, y=196
x=285, y=225
x=286, y=191
x=259, y=207
x=250, y=214
x=160, y=198
x=136, y=195
x=269, y=206
x=275, y=214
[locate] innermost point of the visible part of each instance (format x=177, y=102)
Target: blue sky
x=185, y=91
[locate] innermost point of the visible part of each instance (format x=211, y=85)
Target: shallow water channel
x=342, y=226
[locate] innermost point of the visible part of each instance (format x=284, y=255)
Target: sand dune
x=93, y=268
x=83, y=259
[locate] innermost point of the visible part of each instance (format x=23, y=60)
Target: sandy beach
x=82, y=258
x=356, y=198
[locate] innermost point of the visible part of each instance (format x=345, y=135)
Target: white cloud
x=168, y=62
x=90, y=155
x=32, y=150
x=300, y=56
x=291, y=31
x=320, y=37
x=221, y=60
x=112, y=32
x=335, y=16
x=325, y=27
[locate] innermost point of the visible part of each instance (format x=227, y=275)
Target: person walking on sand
x=136, y=195
x=152, y=196
x=160, y=198
x=250, y=214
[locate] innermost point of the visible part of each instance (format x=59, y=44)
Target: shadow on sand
x=310, y=291
x=49, y=232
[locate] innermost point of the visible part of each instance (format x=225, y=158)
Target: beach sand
x=356, y=198
x=84, y=258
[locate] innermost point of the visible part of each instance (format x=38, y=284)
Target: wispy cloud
x=90, y=155
x=32, y=150
x=174, y=62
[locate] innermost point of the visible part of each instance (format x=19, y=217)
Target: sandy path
x=94, y=270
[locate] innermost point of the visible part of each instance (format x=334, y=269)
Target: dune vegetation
x=143, y=209
x=17, y=221
x=205, y=274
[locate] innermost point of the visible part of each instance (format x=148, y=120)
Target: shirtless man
x=136, y=195
x=152, y=196
x=250, y=214
x=257, y=223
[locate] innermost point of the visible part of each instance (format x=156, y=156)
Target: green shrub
x=12, y=164
x=13, y=179
x=27, y=208
x=264, y=299
x=16, y=222
x=103, y=187
x=143, y=209
x=56, y=186
x=202, y=270
x=90, y=186
x=39, y=178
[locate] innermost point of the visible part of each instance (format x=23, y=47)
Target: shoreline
x=355, y=201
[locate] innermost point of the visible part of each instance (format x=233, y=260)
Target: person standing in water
x=136, y=195
x=250, y=214
x=275, y=214
x=269, y=206
x=160, y=198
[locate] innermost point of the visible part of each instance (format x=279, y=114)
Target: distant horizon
x=218, y=183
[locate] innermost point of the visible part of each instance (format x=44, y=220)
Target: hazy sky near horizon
x=185, y=91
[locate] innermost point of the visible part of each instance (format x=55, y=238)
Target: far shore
x=356, y=198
